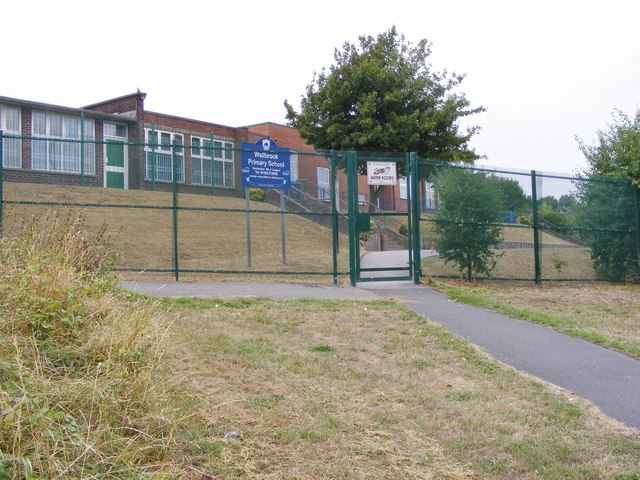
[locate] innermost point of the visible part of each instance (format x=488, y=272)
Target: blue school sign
x=265, y=165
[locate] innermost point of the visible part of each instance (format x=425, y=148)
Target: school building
x=116, y=143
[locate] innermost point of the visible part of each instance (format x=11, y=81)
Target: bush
x=403, y=229
x=257, y=194
x=373, y=228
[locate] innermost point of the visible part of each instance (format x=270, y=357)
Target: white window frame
x=11, y=147
x=402, y=184
x=223, y=162
x=294, y=168
x=324, y=187
x=162, y=148
x=51, y=149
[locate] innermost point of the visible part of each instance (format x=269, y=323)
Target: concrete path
x=605, y=377
x=389, y=259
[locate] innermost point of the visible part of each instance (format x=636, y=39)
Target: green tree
x=617, y=149
x=607, y=210
x=382, y=95
x=606, y=214
x=567, y=204
x=512, y=196
x=465, y=228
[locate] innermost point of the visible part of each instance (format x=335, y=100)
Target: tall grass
x=80, y=390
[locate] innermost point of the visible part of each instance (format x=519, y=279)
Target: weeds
x=79, y=395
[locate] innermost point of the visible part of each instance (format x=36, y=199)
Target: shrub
x=257, y=194
x=403, y=229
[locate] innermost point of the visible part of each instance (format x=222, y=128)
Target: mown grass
x=324, y=389
x=608, y=315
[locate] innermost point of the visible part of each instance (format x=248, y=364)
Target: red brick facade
x=129, y=110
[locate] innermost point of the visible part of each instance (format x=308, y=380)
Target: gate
x=403, y=264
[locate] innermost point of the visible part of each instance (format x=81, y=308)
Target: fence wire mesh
x=513, y=225
x=185, y=212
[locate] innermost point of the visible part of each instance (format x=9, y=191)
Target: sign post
x=265, y=165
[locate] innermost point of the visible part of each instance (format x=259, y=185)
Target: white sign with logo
x=381, y=173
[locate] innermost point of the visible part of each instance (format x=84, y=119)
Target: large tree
x=382, y=95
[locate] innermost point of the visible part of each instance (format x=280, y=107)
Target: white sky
x=546, y=70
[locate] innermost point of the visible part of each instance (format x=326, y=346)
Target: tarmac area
x=605, y=377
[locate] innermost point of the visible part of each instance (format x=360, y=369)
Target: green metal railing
x=600, y=240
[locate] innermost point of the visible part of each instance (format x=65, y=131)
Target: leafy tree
x=606, y=215
x=617, y=150
x=567, y=204
x=512, y=196
x=465, y=227
x=382, y=95
x=607, y=209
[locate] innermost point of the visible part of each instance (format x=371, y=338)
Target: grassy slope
x=207, y=240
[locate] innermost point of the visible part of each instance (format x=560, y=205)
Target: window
x=324, y=192
x=10, y=125
x=403, y=187
x=294, y=167
x=56, y=145
x=223, y=166
x=158, y=156
x=115, y=130
x=429, y=196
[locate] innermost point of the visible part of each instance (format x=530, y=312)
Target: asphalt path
x=607, y=378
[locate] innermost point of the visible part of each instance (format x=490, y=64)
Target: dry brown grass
x=371, y=390
x=207, y=240
x=519, y=264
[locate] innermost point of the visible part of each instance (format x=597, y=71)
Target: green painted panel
x=115, y=180
x=115, y=154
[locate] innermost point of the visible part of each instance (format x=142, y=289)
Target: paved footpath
x=607, y=378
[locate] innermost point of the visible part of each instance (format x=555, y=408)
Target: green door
x=114, y=165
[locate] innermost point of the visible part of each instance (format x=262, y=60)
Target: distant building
x=116, y=143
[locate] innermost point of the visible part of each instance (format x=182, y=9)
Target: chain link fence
x=514, y=225
x=186, y=214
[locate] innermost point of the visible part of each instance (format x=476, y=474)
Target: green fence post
x=536, y=227
x=334, y=218
x=415, y=212
x=352, y=168
x=1, y=173
x=213, y=183
x=153, y=156
x=174, y=172
x=82, y=148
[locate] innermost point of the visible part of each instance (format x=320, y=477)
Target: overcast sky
x=546, y=70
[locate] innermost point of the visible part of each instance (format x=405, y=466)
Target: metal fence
x=186, y=214
x=549, y=227
x=176, y=222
